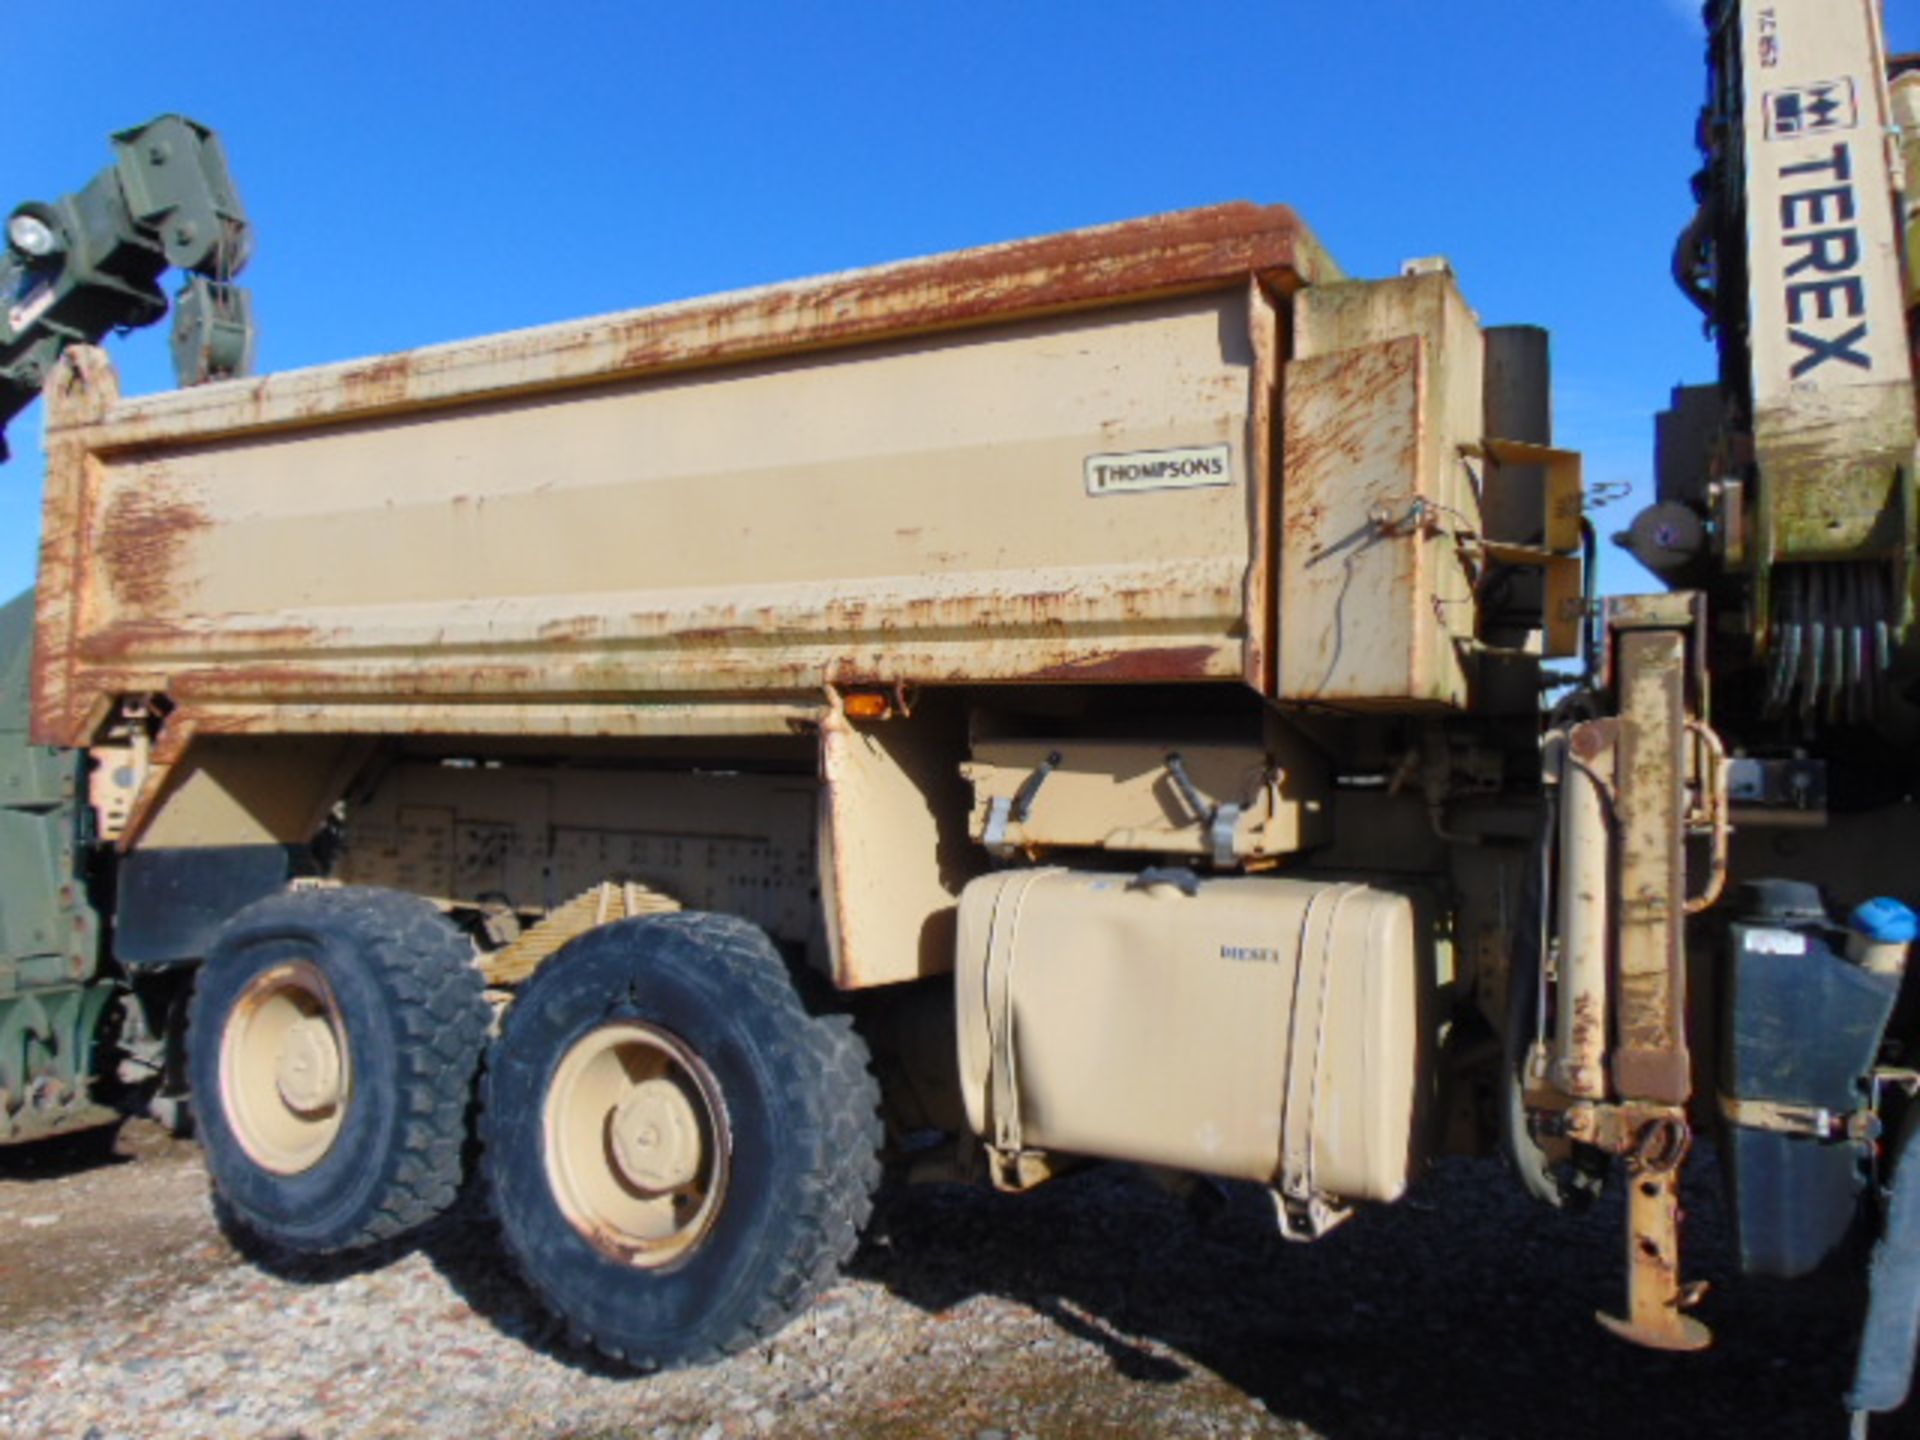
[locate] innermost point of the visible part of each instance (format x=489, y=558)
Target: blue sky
x=423, y=170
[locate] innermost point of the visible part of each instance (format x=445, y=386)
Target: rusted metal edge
x=616, y=649
x=470, y=695
x=84, y=388
x=650, y=719
x=1183, y=252
x=1260, y=662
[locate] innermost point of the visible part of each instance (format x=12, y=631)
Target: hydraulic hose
x=1523, y=1152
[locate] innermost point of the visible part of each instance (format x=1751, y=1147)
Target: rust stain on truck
x=143, y=534
x=561, y=532
x=377, y=384
x=1218, y=247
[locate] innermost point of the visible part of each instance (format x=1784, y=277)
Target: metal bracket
x=1711, y=764
x=1812, y=1121
x=1222, y=832
x=1004, y=811
x=212, y=332
x=1183, y=782
x=1181, y=879
x=1306, y=1218
x=1222, y=820
x=999, y=813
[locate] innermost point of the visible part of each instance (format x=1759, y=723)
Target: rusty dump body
x=874, y=478
x=1112, y=660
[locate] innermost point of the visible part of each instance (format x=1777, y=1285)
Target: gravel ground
x=1095, y=1307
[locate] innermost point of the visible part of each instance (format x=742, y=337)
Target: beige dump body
x=1041, y=461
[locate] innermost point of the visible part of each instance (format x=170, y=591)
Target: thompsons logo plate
x=1160, y=470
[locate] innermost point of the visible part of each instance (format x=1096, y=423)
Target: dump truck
x=1133, y=695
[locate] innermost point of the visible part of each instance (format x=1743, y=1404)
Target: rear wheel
x=285, y=1070
x=332, y=1046
x=637, y=1142
x=680, y=1154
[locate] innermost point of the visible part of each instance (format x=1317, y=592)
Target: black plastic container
x=1803, y=1028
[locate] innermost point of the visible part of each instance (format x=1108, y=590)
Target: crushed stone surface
x=1096, y=1306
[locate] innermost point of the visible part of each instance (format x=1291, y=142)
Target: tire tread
x=818, y=1054
x=422, y=966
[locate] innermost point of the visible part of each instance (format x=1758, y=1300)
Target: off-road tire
x=409, y=1000
x=801, y=1106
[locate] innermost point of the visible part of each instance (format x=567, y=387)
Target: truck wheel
x=332, y=1045
x=680, y=1156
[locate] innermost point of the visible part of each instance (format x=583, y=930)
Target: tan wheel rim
x=285, y=1070
x=636, y=1143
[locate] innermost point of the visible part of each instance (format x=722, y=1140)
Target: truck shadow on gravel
x=1464, y=1311
x=61, y=1156
x=464, y=1248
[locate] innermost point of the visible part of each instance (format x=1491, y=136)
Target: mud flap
x=1884, y=1372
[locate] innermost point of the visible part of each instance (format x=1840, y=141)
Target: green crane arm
x=92, y=261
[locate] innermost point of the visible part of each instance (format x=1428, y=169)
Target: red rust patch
x=1592, y=739
x=1334, y=436
x=714, y=635
x=127, y=641
x=274, y=679
x=142, y=535
x=572, y=629
x=1179, y=662
x=378, y=383
x=1586, y=1024
x=1165, y=255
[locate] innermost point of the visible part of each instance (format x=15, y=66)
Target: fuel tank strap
x=1003, y=1092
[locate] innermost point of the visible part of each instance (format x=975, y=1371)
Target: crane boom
x=90, y=262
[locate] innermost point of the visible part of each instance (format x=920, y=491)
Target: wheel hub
x=285, y=1070
x=637, y=1143
x=656, y=1136
x=308, y=1075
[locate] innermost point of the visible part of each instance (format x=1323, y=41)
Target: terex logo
x=1808, y=109
x=1825, y=290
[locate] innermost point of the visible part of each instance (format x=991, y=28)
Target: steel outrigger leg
x=1655, y=651
x=1656, y=1298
